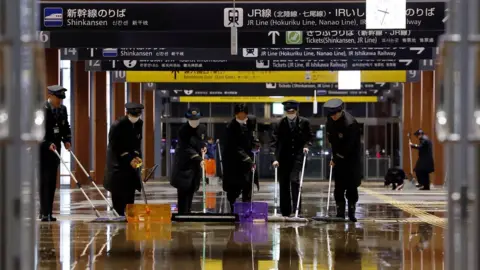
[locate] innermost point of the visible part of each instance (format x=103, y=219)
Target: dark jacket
x=394, y=176
x=57, y=129
x=344, y=137
x=124, y=144
x=237, y=154
x=211, y=150
x=425, y=155
x=287, y=145
x=187, y=172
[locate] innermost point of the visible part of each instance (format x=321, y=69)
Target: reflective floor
x=396, y=230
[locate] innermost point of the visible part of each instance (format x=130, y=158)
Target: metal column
x=21, y=128
x=458, y=119
x=158, y=133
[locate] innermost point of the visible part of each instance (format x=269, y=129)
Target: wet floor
x=395, y=231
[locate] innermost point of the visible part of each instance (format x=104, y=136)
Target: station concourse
x=396, y=229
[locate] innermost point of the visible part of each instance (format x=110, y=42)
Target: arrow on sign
x=381, y=84
x=406, y=61
x=445, y=19
x=175, y=75
x=176, y=91
x=274, y=34
x=375, y=91
x=418, y=49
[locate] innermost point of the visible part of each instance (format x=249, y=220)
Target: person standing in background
x=425, y=165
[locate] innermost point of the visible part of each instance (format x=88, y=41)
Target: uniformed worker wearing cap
x=238, y=156
x=425, y=164
x=57, y=130
x=124, y=157
x=188, y=163
x=291, y=140
x=343, y=133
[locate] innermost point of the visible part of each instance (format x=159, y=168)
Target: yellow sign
x=258, y=76
x=256, y=99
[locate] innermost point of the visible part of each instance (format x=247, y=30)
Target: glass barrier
x=376, y=168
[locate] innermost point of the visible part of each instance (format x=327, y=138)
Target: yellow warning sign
x=258, y=76
x=259, y=99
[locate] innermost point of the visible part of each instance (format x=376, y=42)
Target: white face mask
x=133, y=119
x=194, y=123
x=243, y=122
x=291, y=116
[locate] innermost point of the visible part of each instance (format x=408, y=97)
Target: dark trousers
x=289, y=187
x=48, y=181
x=245, y=190
x=423, y=178
x=120, y=199
x=342, y=191
x=184, y=200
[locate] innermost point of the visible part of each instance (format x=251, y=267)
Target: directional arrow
x=381, y=84
x=176, y=91
x=406, y=61
x=175, y=75
x=445, y=19
x=375, y=91
x=274, y=34
x=418, y=49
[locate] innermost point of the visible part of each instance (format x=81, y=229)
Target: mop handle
x=410, y=150
x=275, y=194
x=78, y=184
x=301, y=184
x=93, y=182
x=329, y=186
x=143, y=191
x=204, y=197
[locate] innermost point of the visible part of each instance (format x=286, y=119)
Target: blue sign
x=110, y=52
x=53, y=17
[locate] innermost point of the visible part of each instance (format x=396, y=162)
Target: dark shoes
x=424, y=188
x=48, y=218
x=351, y=213
x=341, y=211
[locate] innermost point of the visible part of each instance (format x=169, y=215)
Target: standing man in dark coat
x=57, y=130
x=187, y=170
x=343, y=133
x=425, y=164
x=124, y=157
x=238, y=156
x=291, y=140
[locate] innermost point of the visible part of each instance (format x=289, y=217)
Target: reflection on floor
x=384, y=238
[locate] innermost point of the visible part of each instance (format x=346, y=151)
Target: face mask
x=133, y=119
x=194, y=123
x=291, y=116
x=242, y=122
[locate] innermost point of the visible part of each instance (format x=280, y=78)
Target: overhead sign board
x=256, y=65
x=414, y=53
x=265, y=89
x=265, y=99
x=253, y=76
x=259, y=24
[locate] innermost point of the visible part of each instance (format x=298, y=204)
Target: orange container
x=148, y=231
x=210, y=167
x=157, y=213
x=211, y=200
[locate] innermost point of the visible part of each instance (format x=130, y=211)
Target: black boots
x=341, y=210
x=351, y=212
x=48, y=218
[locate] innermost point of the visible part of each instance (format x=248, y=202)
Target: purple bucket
x=251, y=233
x=248, y=212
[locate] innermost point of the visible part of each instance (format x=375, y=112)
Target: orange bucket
x=148, y=231
x=210, y=167
x=157, y=213
x=211, y=200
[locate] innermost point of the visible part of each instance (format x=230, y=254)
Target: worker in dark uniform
x=187, y=168
x=57, y=130
x=343, y=133
x=291, y=140
x=425, y=164
x=124, y=157
x=238, y=156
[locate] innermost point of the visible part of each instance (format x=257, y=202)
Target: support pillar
x=118, y=97
x=158, y=133
x=134, y=93
x=418, y=112
x=99, y=104
x=148, y=129
x=81, y=126
x=52, y=66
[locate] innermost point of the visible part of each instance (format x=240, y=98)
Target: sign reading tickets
x=264, y=99
x=258, y=76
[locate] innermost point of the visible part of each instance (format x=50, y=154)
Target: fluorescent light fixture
x=349, y=80
x=277, y=108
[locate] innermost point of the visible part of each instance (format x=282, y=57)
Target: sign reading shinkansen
x=253, y=65
x=214, y=16
x=414, y=53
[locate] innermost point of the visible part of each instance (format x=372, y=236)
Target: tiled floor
x=396, y=230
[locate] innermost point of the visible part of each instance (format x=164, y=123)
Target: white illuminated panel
x=386, y=14
x=349, y=80
x=277, y=108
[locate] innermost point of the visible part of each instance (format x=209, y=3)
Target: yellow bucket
x=149, y=231
x=155, y=213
